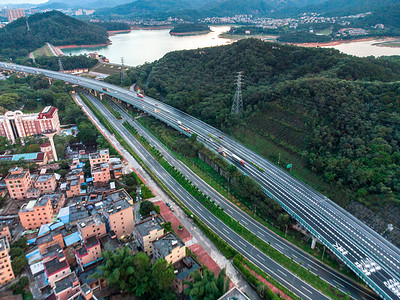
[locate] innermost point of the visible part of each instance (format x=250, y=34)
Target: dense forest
x=53, y=27
x=51, y=62
x=336, y=114
x=188, y=28
x=303, y=37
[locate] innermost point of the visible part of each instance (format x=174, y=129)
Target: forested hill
x=53, y=27
x=334, y=116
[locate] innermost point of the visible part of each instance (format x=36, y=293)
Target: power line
x=60, y=65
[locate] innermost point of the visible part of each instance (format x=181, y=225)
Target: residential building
x=74, y=178
x=36, y=213
x=6, y=272
x=14, y=125
x=99, y=157
x=57, y=201
x=169, y=247
x=5, y=231
x=46, y=183
x=18, y=182
x=56, y=267
x=88, y=253
x=116, y=167
x=95, y=284
x=67, y=288
x=52, y=239
x=119, y=213
x=94, y=225
x=14, y=14
x=101, y=172
x=73, y=188
x=147, y=232
x=183, y=268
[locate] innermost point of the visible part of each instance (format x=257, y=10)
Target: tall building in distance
x=7, y=273
x=16, y=124
x=13, y=14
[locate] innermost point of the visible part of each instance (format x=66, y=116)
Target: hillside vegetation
x=334, y=116
x=53, y=27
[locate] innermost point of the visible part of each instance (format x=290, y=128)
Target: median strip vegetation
x=277, y=256
x=228, y=251
x=229, y=188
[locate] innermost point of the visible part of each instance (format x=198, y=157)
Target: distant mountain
x=53, y=27
x=388, y=16
x=89, y=4
x=150, y=7
x=203, y=8
x=343, y=7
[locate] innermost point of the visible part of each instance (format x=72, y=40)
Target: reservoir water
x=366, y=48
x=140, y=46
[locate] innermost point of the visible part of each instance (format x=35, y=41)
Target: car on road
x=167, y=204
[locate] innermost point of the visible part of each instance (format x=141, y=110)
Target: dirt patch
x=273, y=288
x=169, y=216
x=204, y=258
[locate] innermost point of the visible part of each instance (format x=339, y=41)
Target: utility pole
x=123, y=75
x=60, y=65
x=279, y=159
x=237, y=105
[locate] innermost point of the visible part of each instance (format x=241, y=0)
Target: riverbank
x=190, y=33
x=341, y=42
x=114, y=32
x=84, y=46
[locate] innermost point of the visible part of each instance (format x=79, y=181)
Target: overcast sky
x=2, y=2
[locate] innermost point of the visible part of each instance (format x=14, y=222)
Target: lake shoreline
x=341, y=42
x=84, y=46
x=190, y=33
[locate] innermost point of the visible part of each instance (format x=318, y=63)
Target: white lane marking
x=259, y=233
x=338, y=283
x=260, y=256
x=282, y=272
x=277, y=245
x=306, y=289
x=242, y=243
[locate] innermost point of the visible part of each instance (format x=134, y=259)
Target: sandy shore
x=114, y=32
x=339, y=42
x=190, y=33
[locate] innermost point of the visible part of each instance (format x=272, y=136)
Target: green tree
x=163, y=275
x=206, y=285
x=146, y=207
x=18, y=264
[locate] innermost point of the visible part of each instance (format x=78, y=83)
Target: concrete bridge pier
x=313, y=242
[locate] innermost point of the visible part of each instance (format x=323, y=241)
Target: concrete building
x=39, y=158
x=102, y=156
x=101, y=172
x=147, y=232
x=169, y=247
x=74, y=178
x=94, y=225
x=6, y=272
x=14, y=125
x=14, y=14
x=56, y=267
x=36, y=213
x=18, y=182
x=47, y=148
x=67, y=287
x=120, y=219
x=46, y=183
x=88, y=253
x=5, y=231
x=183, y=268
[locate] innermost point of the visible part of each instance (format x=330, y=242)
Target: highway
x=286, y=278
x=370, y=256
x=308, y=262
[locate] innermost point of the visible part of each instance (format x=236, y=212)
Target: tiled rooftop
x=65, y=283
x=44, y=177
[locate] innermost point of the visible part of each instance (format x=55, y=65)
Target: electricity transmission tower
x=237, y=105
x=60, y=65
x=27, y=25
x=123, y=74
